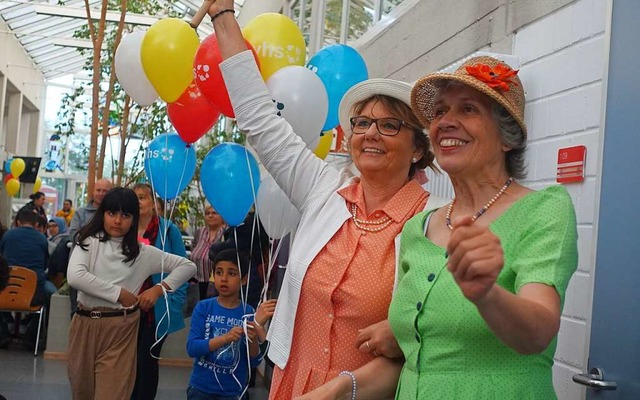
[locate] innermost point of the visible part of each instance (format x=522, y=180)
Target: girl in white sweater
x=107, y=267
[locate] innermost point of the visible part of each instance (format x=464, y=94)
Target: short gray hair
x=512, y=136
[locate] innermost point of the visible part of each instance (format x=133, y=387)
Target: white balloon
x=129, y=70
x=302, y=100
x=277, y=214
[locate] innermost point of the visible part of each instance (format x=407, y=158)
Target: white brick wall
x=563, y=56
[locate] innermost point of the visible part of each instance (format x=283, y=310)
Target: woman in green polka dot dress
x=482, y=281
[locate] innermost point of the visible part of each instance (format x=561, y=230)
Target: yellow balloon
x=17, y=167
x=167, y=52
x=324, y=146
x=277, y=41
x=37, y=184
x=12, y=186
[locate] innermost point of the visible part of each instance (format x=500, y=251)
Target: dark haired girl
x=108, y=267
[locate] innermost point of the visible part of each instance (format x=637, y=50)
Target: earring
x=414, y=160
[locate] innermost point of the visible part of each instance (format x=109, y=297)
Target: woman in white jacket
x=341, y=270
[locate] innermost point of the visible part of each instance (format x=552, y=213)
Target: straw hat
x=366, y=89
x=485, y=74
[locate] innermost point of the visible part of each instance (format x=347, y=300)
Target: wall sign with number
x=571, y=164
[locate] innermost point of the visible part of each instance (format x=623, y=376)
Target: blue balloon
x=7, y=165
x=230, y=180
x=169, y=163
x=339, y=67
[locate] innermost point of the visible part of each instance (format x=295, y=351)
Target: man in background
x=66, y=212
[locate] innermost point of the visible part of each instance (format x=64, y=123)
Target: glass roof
x=39, y=33
x=48, y=38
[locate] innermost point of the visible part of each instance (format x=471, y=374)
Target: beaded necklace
x=378, y=225
x=483, y=209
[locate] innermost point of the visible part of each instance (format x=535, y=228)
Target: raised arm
x=294, y=167
x=228, y=31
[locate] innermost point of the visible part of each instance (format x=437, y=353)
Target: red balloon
x=192, y=114
x=9, y=176
x=206, y=70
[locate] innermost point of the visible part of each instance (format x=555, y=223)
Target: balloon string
x=243, y=295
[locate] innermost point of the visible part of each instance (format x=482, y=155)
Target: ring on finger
x=375, y=353
x=368, y=347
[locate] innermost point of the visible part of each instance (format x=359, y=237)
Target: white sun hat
x=371, y=87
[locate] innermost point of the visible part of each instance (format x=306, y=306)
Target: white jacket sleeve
x=294, y=167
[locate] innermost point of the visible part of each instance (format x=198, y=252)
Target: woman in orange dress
x=342, y=263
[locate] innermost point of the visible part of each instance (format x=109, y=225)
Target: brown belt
x=96, y=314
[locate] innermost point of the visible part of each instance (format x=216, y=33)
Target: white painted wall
x=563, y=56
x=562, y=50
x=18, y=67
x=21, y=99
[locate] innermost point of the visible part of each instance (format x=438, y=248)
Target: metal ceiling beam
x=41, y=52
x=63, y=64
x=59, y=54
x=72, y=42
x=36, y=45
x=51, y=73
x=53, y=28
x=62, y=11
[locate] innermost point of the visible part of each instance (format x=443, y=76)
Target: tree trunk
x=112, y=82
x=97, y=39
x=124, y=127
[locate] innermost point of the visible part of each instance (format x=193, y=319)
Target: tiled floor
x=25, y=377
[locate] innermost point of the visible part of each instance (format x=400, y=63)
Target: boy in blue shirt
x=216, y=339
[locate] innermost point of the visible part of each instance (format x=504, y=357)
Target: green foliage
x=144, y=123
x=67, y=112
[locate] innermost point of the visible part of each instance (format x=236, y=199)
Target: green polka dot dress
x=450, y=352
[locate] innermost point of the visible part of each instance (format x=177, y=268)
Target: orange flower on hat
x=498, y=77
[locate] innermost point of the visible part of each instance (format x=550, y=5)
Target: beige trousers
x=102, y=357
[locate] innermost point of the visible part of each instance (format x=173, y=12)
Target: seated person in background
x=5, y=335
x=4, y=273
x=57, y=233
x=67, y=211
x=26, y=247
x=42, y=224
x=216, y=339
x=3, y=229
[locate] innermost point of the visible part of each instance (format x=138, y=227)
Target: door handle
x=595, y=380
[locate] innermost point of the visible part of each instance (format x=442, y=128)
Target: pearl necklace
x=483, y=209
x=362, y=224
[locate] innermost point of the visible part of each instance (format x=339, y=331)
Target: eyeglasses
x=385, y=126
x=52, y=225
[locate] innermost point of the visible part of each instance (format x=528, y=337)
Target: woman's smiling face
x=378, y=156
x=464, y=133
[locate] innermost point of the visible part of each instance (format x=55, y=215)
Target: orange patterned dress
x=347, y=287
